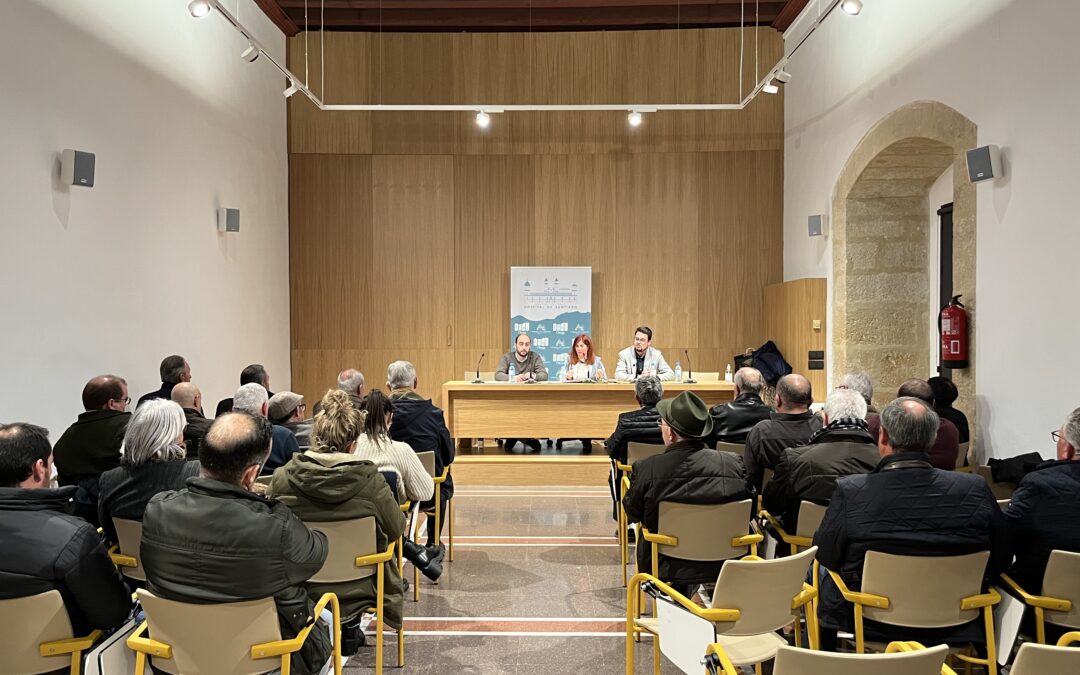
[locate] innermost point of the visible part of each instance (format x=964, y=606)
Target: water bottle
x=678, y=371
x=512, y=373
x=728, y=377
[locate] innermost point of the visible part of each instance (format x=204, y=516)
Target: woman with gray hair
x=153, y=459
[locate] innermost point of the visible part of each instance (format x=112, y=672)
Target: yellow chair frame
x=1040, y=603
x=73, y=646
x=145, y=646
x=716, y=657
x=713, y=614
x=984, y=601
x=1069, y=638
x=795, y=542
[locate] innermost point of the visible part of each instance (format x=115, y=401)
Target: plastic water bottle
x=728, y=377
x=678, y=371
x=512, y=373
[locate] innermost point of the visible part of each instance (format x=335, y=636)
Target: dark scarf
x=841, y=424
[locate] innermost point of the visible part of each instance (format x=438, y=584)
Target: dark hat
x=687, y=414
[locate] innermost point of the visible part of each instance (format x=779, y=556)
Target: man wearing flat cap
x=287, y=409
x=687, y=472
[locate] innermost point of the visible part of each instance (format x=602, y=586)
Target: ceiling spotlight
x=634, y=118
x=292, y=89
x=251, y=53
x=483, y=120
x=852, y=7
x=770, y=88
x=783, y=76
x=199, y=8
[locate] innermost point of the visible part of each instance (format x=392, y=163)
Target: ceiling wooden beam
x=275, y=13
x=786, y=16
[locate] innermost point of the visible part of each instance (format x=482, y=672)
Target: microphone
x=478, y=380
x=689, y=369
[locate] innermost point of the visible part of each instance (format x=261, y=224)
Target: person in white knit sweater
x=375, y=444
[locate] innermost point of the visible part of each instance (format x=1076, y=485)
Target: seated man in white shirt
x=642, y=359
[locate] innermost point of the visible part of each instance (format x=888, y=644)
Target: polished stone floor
x=534, y=587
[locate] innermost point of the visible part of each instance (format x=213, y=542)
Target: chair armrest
x=121, y=560
x=747, y=539
x=406, y=506
x=982, y=600
x=859, y=597
x=714, y=614
x=765, y=515
x=625, y=482
x=1043, y=601
x=281, y=647
x=805, y=596
x=900, y=646
x=716, y=657
x=137, y=642
x=440, y=479
x=657, y=538
x=628, y=468
x=1069, y=638
x=374, y=558
x=70, y=645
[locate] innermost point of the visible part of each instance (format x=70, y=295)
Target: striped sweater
x=398, y=457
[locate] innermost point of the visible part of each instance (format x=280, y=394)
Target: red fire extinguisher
x=953, y=325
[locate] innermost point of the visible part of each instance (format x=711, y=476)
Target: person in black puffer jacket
x=639, y=425
x=1042, y=513
x=687, y=473
x=906, y=507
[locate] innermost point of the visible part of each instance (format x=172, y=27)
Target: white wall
x=1005, y=65
x=941, y=193
x=113, y=278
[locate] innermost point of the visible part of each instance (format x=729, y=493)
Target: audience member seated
x=252, y=399
x=841, y=448
x=174, y=370
x=350, y=381
x=91, y=446
x=328, y=483
x=188, y=396
x=375, y=444
x=1042, y=514
x=687, y=472
x=422, y=426
x=153, y=460
x=216, y=541
x=287, y=409
x=944, y=394
x=905, y=507
x=639, y=426
x=947, y=444
x=790, y=424
x=45, y=548
x=253, y=374
x=732, y=421
x=860, y=381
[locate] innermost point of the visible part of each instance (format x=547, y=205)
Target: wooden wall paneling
x=348, y=80
x=655, y=263
x=330, y=249
x=315, y=370
x=790, y=309
x=412, y=265
x=493, y=230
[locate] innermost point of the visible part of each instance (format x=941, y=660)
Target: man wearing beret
x=686, y=472
x=287, y=409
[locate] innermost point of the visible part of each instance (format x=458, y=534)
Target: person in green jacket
x=328, y=483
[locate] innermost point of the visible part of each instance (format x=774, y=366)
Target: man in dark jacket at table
x=1042, y=513
x=905, y=507
x=687, y=472
x=732, y=421
x=216, y=541
x=46, y=549
x=639, y=426
x=418, y=422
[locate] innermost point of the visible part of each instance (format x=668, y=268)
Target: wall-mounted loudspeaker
x=77, y=168
x=228, y=220
x=817, y=225
x=984, y=163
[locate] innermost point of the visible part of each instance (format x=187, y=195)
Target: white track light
x=250, y=54
x=483, y=120
x=292, y=89
x=770, y=88
x=634, y=118
x=783, y=76
x=199, y=8
x=852, y=7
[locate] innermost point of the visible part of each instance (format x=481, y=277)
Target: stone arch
x=879, y=245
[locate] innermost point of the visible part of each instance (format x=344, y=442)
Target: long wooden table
x=552, y=409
